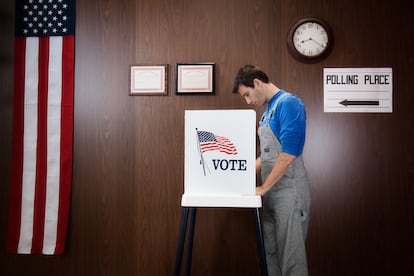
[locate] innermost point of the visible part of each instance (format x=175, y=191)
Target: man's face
x=252, y=95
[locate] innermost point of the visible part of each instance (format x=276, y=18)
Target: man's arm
x=258, y=165
x=281, y=165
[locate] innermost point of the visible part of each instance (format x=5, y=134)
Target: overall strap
x=272, y=111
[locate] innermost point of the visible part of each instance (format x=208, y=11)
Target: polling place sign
x=219, y=158
x=358, y=90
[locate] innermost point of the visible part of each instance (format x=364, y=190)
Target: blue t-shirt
x=288, y=122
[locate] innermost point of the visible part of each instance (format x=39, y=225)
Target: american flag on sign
x=209, y=141
x=42, y=126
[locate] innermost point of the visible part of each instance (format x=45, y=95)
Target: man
x=285, y=188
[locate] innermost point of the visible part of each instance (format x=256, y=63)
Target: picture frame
x=195, y=78
x=148, y=80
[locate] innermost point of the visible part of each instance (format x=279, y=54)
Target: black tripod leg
x=190, y=241
x=260, y=244
x=181, y=240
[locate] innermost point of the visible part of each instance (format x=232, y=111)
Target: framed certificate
x=196, y=78
x=148, y=80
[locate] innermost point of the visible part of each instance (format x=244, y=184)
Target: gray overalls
x=285, y=208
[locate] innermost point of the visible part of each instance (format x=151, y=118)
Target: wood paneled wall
x=128, y=150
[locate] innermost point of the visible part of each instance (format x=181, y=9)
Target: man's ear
x=256, y=82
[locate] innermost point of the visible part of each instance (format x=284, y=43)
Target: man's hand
x=282, y=164
x=260, y=191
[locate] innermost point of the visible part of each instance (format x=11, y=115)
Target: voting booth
x=219, y=169
x=219, y=162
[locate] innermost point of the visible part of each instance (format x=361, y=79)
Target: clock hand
x=303, y=41
x=320, y=44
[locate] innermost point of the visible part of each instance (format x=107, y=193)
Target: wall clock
x=310, y=40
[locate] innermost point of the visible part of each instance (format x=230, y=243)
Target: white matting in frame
x=196, y=78
x=149, y=80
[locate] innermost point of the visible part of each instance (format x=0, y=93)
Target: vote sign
x=220, y=152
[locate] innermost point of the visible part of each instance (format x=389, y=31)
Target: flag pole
x=201, y=154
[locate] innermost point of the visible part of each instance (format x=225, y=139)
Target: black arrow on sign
x=346, y=102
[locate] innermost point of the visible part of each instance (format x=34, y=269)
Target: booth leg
x=190, y=241
x=260, y=244
x=183, y=228
x=181, y=240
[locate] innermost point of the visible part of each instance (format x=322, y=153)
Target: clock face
x=310, y=39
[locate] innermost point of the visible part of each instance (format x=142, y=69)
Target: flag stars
x=44, y=16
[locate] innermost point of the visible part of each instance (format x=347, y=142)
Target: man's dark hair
x=246, y=75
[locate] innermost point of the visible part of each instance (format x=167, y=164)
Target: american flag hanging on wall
x=42, y=126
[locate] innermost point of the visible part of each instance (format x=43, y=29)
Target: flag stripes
x=42, y=145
